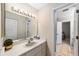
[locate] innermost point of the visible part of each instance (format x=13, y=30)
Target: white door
x=76, y=33
x=59, y=36
x=59, y=33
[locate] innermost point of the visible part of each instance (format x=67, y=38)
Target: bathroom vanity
x=21, y=26
x=37, y=49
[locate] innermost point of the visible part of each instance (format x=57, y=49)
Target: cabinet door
x=38, y=53
x=43, y=52
x=43, y=49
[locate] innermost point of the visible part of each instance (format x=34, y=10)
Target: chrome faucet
x=29, y=40
x=37, y=37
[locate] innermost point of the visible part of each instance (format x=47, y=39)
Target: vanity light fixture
x=22, y=12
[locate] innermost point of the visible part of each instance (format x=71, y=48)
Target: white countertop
x=22, y=48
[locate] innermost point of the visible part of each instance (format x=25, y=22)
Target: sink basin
x=30, y=44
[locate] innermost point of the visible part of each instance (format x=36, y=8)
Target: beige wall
x=0, y=20
x=46, y=25
x=1, y=24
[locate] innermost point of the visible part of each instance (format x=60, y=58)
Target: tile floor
x=64, y=50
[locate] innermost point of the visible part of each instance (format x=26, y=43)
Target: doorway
x=74, y=33
x=63, y=39
x=66, y=32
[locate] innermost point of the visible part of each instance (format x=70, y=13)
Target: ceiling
x=38, y=5
x=41, y=5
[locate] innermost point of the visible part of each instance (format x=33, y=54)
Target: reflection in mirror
x=28, y=26
x=11, y=28
x=19, y=27
x=31, y=27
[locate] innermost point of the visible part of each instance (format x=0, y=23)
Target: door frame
x=55, y=21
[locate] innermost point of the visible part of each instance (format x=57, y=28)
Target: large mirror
x=19, y=27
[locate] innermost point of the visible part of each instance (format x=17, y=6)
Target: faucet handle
x=37, y=37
